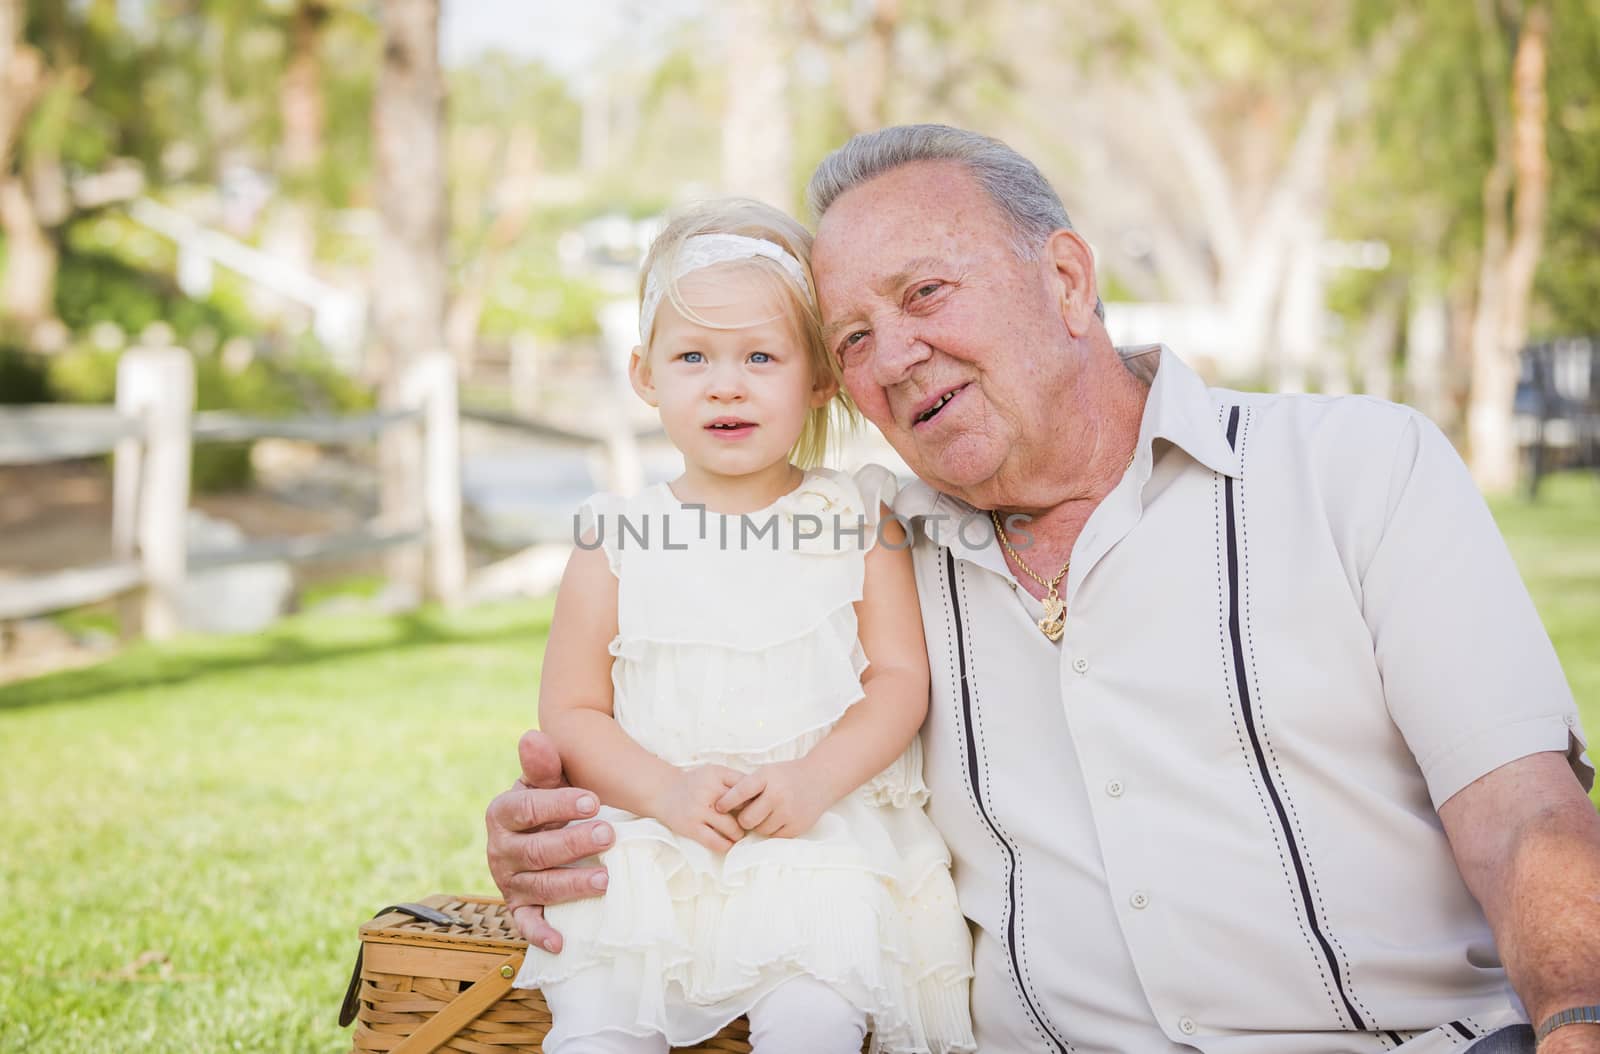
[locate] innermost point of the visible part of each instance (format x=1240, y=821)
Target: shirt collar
x=1179, y=409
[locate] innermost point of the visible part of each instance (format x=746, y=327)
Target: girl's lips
x=733, y=431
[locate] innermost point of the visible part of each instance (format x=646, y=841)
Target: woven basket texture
x=412, y=969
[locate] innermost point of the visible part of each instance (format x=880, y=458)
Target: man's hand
x=688, y=806
x=530, y=846
x=783, y=800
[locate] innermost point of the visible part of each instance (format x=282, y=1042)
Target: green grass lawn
x=189, y=835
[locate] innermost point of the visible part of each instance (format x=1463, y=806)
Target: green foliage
x=350, y=51
x=1569, y=269
x=501, y=92
x=24, y=377
x=547, y=304
x=96, y=287
x=1415, y=171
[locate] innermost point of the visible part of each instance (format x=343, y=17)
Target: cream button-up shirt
x=1206, y=819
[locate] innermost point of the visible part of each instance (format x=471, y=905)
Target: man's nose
x=900, y=349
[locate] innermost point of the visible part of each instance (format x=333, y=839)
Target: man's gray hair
x=1030, y=205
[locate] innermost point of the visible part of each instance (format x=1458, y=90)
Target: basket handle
x=352, y=994
x=463, y=1008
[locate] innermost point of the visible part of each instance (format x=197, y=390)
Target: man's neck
x=1060, y=497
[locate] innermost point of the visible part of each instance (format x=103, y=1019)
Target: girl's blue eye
x=760, y=356
x=691, y=356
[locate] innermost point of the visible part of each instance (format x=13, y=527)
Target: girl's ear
x=824, y=389
x=639, y=376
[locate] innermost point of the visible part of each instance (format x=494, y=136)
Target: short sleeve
x=878, y=488
x=596, y=519
x=1471, y=678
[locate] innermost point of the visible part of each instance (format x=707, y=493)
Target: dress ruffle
x=747, y=670
x=695, y=939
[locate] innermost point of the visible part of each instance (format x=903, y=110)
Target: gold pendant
x=1054, y=622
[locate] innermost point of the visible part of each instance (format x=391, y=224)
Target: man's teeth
x=936, y=407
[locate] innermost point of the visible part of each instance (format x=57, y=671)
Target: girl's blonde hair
x=754, y=219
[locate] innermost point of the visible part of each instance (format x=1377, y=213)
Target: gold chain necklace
x=1054, y=622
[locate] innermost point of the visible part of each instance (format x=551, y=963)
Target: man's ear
x=1072, y=262
x=639, y=376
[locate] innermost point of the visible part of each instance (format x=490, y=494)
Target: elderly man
x=1244, y=734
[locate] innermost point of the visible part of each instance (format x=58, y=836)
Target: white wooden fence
x=152, y=429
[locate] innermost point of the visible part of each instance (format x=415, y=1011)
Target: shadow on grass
x=292, y=643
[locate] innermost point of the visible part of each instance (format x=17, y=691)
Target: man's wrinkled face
x=948, y=340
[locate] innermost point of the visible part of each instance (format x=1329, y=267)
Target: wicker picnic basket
x=436, y=975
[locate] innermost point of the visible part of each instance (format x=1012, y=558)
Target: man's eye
x=927, y=289
x=851, y=340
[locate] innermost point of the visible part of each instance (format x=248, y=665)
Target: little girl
x=737, y=669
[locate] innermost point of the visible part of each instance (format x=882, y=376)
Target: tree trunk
x=1427, y=356
x=20, y=74
x=514, y=206
x=1252, y=291
x=409, y=276
x=27, y=296
x=27, y=289
x=1300, y=320
x=1510, y=257
x=1379, y=337
x=292, y=232
x=757, y=135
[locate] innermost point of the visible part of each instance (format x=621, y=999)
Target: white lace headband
x=704, y=250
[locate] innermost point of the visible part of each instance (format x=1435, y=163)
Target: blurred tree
x=409, y=277
x=1457, y=182
x=1568, y=285
x=292, y=232
x=757, y=129
x=1515, y=191
x=511, y=122
x=859, y=41
x=1216, y=127
x=26, y=84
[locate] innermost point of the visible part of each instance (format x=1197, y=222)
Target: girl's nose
x=726, y=383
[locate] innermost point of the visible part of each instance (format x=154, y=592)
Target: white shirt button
x=1114, y=788
x=1187, y=1026
x=1140, y=900
x=1080, y=665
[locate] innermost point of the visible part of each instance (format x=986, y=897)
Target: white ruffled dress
x=744, y=656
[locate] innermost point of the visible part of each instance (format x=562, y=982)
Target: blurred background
x=312, y=314
x=306, y=197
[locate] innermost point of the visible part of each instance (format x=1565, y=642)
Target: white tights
x=800, y=1016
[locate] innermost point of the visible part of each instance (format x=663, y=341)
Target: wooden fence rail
x=152, y=430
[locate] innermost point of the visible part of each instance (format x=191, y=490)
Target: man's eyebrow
x=888, y=285
x=907, y=272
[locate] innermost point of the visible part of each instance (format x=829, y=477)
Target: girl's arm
x=786, y=799
x=877, y=730
x=575, y=711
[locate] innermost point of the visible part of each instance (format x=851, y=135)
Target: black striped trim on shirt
x=1255, y=740
x=975, y=782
